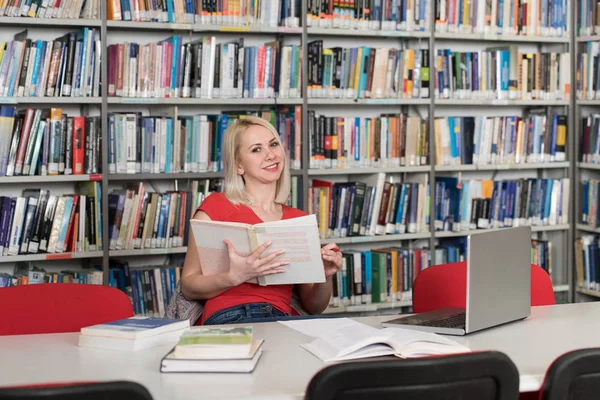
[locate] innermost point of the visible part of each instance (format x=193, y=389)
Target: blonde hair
x=234, y=186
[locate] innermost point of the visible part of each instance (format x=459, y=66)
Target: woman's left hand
x=332, y=260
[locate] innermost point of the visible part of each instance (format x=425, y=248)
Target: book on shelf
x=149, y=288
x=378, y=275
x=451, y=250
x=139, y=219
x=587, y=71
x=486, y=204
x=503, y=17
x=538, y=137
x=589, y=151
x=38, y=222
x=374, y=205
x=391, y=140
x=298, y=237
x=343, y=339
x=88, y=9
x=164, y=144
x=401, y=15
x=204, y=69
x=263, y=13
x=502, y=73
x=589, y=200
x=27, y=273
x=68, y=66
x=587, y=262
x=41, y=142
x=541, y=254
x=135, y=333
x=367, y=73
x=587, y=19
x=214, y=349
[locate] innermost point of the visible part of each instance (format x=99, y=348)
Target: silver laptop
x=498, y=286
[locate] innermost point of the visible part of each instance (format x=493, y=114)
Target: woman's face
x=260, y=157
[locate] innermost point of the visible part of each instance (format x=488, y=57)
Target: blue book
x=136, y=327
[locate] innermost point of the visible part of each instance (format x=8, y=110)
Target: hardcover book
x=298, y=237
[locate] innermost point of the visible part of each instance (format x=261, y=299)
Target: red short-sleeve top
x=219, y=208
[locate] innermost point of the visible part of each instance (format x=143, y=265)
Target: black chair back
x=118, y=390
x=574, y=376
x=481, y=376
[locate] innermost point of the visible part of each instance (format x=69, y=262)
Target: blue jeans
x=251, y=313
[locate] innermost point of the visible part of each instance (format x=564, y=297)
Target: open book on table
x=298, y=237
x=342, y=339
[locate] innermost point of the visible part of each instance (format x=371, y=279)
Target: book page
x=338, y=339
x=412, y=343
x=326, y=353
x=302, y=249
x=342, y=339
x=212, y=251
x=304, y=220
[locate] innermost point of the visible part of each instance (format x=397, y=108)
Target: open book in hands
x=298, y=237
x=342, y=339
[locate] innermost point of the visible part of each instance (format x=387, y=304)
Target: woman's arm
x=194, y=285
x=315, y=296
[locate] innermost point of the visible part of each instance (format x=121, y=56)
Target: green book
x=207, y=341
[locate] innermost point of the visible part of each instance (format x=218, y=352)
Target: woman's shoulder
x=217, y=206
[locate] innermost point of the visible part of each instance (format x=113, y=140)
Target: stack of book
x=133, y=333
x=214, y=349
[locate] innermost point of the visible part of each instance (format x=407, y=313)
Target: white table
x=285, y=368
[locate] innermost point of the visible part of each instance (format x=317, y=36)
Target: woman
x=256, y=188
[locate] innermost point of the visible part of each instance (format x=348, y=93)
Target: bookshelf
x=117, y=31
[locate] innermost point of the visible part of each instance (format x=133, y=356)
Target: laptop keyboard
x=451, y=321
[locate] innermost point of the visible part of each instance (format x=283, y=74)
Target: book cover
x=243, y=363
x=298, y=237
x=136, y=327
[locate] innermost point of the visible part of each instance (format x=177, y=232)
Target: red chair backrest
x=445, y=285
x=59, y=307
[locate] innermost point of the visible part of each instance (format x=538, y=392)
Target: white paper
x=318, y=326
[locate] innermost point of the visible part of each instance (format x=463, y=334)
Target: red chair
x=57, y=308
x=445, y=285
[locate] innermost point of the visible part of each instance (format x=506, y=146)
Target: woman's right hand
x=242, y=269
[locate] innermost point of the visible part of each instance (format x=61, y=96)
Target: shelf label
x=138, y=100
x=381, y=101
x=186, y=27
x=361, y=239
x=59, y=256
x=234, y=29
x=8, y=100
x=394, y=33
x=95, y=177
x=289, y=30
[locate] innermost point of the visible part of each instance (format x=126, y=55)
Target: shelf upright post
x=431, y=141
x=304, y=93
x=104, y=130
x=572, y=146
